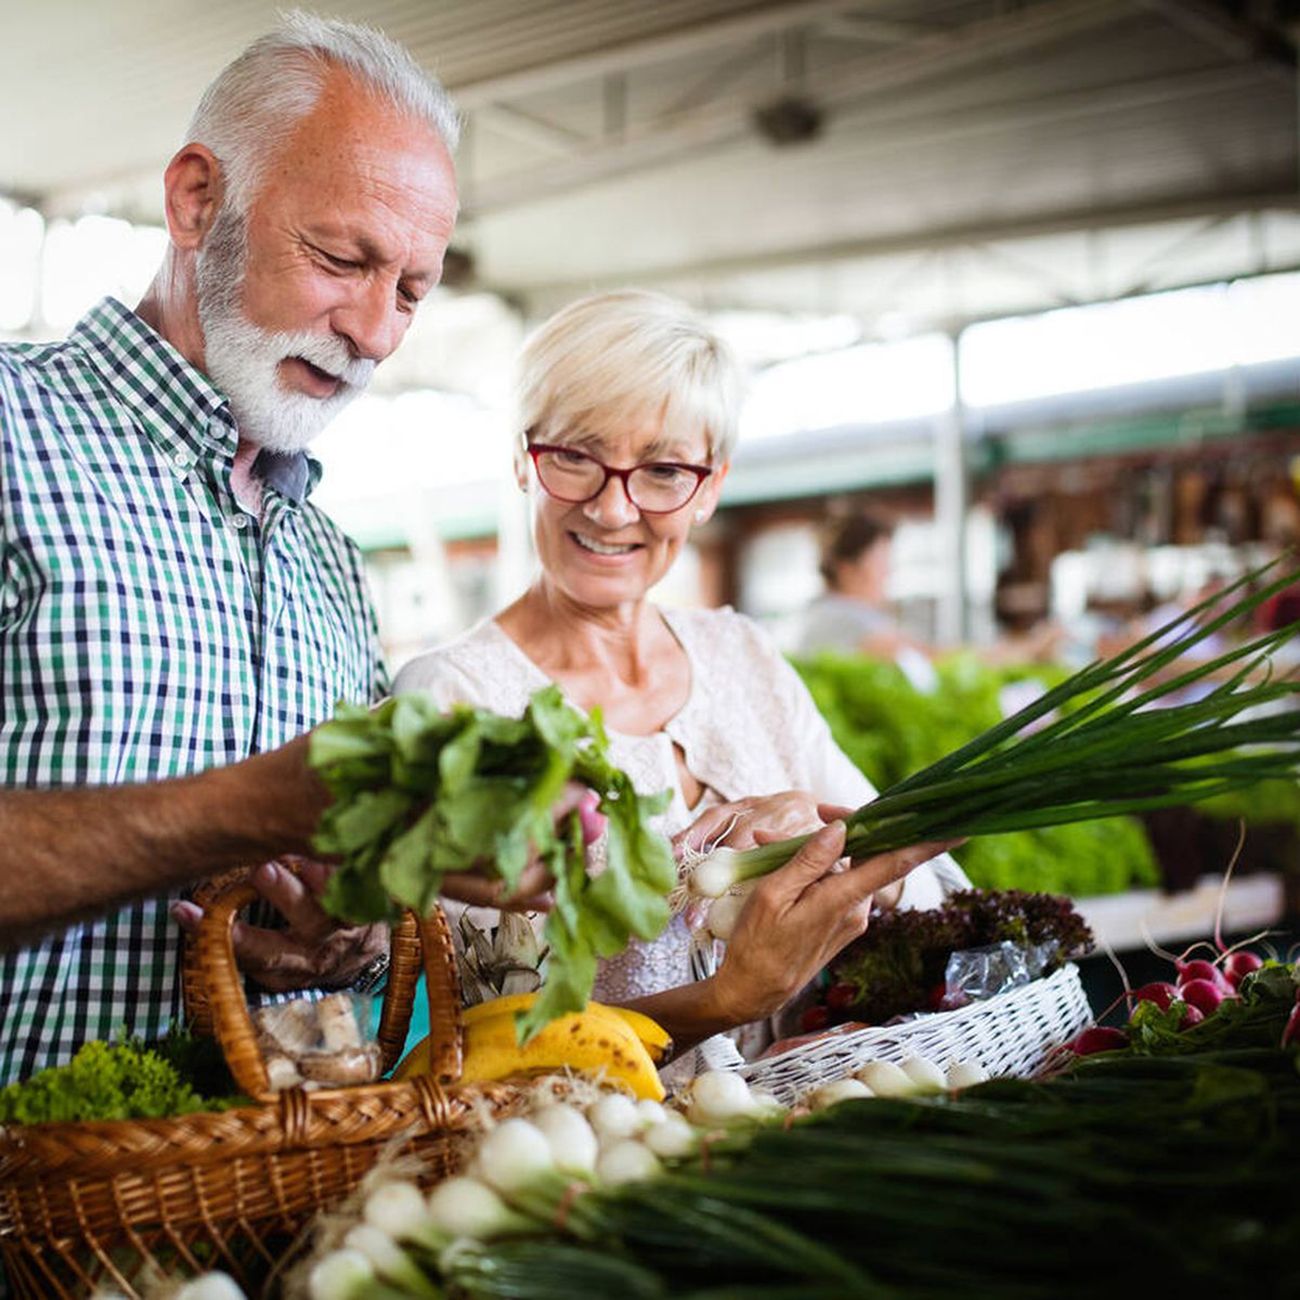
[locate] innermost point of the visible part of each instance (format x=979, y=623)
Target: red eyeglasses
x=657, y=487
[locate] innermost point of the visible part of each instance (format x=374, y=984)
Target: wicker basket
x=100, y=1203
x=1011, y=1034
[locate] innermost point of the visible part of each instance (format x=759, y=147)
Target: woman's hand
x=799, y=918
x=745, y=822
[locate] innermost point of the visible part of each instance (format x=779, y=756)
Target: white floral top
x=748, y=727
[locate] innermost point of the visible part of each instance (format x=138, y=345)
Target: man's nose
x=371, y=321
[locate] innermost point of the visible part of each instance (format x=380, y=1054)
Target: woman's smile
x=604, y=550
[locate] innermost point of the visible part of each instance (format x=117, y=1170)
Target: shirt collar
x=184, y=413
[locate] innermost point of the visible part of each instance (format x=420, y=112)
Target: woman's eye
x=664, y=473
x=572, y=458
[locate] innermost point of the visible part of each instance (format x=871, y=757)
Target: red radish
x=1191, y=1016
x=839, y=997
x=814, y=1018
x=1204, y=995
x=1202, y=970
x=1100, y=1038
x=1237, y=965
x=1159, y=992
x=1291, y=1032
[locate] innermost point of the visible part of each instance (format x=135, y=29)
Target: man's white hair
x=246, y=114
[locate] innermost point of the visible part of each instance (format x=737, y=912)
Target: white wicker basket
x=1011, y=1034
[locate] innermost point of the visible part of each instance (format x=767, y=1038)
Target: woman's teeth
x=599, y=548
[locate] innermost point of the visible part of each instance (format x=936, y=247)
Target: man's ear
x=193, y=188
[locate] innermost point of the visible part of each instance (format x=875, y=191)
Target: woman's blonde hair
x=619, y=358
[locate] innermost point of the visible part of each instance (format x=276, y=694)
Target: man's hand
x=532, y=893
x=314, y=951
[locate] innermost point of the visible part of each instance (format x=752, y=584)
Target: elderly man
x=170, y=600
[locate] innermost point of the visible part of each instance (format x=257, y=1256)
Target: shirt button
x=181, y=460
x=239, y=521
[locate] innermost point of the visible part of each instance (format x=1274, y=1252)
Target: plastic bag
x=974, y=974
x=318, y=1043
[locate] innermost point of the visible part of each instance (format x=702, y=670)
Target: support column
x=951, y=499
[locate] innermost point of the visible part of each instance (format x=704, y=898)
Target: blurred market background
x=1023, y=278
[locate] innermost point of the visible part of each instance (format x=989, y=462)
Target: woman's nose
x=612, y=506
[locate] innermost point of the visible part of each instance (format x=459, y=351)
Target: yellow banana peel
x=595, y=1040
x=653, y=1035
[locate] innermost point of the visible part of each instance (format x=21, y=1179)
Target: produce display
x=622, y=1044
x=891, y=729
x=106, y=1081
x=1103, y=742
x=417, y=793
x=894, y=1183
x=899, y=965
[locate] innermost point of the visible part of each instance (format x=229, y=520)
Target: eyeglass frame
x=534, y=449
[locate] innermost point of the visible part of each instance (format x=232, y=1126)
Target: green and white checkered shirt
x=149, y=627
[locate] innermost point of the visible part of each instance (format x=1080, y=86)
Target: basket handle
x=232, y=1023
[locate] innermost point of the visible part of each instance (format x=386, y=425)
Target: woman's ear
x=520, y=460
x=707, y=500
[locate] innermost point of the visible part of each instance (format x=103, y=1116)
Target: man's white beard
x=242, y=359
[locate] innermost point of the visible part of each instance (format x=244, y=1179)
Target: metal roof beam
x=697, y=39
x=666, y=140
x=939, y=239
x=1246, y=41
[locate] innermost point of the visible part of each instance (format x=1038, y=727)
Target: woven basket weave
x=98, y=1203
x=1011, y=1034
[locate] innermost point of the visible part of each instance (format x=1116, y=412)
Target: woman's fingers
x=875, y=873
x=814, y=860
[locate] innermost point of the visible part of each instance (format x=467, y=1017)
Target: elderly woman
x=629, y=408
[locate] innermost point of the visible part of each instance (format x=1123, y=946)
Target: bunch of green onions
x=1109, y=752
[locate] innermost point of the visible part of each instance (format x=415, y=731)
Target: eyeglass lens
x=574, y=476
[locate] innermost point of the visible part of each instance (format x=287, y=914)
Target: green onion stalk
x=1106, y=741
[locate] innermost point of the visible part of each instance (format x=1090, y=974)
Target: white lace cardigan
x=748, y=727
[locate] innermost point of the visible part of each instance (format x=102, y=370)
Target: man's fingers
x=291, y=897
x=482, y=891
x=277, y=963
x=187, y=915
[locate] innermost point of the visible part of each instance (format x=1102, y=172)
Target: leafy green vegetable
x=418, y=793
x=891, y=730
x=894, y=968
x=1106, y=741
x=103, y=1081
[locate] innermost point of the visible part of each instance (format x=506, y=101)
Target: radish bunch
x=1200, y=988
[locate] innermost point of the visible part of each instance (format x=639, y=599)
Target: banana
x=586, y=1040
x=653, y=1036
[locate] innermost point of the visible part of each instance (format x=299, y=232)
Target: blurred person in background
x=628, y=411
x=853, y=614
x=172, y=600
